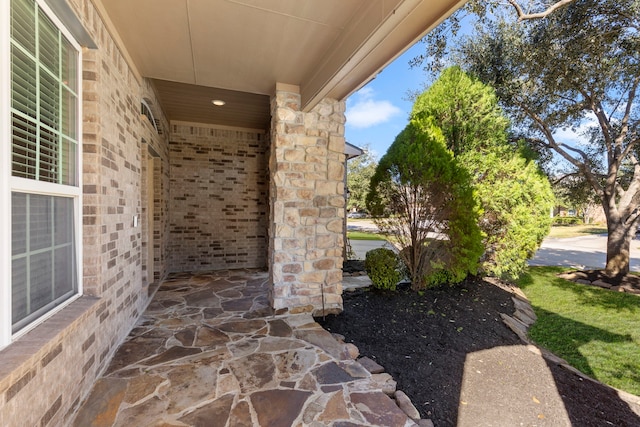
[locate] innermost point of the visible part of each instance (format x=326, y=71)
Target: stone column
x=307, y=202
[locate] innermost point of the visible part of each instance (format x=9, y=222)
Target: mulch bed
x=422, y=341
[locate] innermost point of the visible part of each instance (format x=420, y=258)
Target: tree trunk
x=618, y=244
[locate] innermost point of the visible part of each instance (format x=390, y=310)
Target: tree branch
x=552, y=143
x=523, y=16
x=624, y=128
x=603, y=121
x=563, y=177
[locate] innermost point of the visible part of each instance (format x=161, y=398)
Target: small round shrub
x=382, y=267
x=567, y=220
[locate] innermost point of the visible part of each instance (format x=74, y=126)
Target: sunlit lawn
x=563, y=231
x=596, y=330
x=363, y=235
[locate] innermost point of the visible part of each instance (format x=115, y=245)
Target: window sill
x=41, y=338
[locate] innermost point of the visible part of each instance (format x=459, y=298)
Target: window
x=43, y=180
x=146, y=111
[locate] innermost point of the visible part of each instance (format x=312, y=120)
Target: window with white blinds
x=45, y=194
x=43, y=257
x=44, y=97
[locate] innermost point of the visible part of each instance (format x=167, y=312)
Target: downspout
x=350, y=151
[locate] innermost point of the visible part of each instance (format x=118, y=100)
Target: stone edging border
x=385, y=382
x=524, y=317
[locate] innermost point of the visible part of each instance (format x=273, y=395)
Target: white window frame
x=8, y=183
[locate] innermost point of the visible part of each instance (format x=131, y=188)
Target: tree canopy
x=438, y=40
x=514, y=195
x=421, y=195
x=578, y=69
x=465, y=109
x=359, y=172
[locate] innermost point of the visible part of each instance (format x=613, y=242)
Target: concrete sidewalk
x=361, y=247
x=583, y=252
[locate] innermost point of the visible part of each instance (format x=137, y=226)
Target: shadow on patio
x=209, y=351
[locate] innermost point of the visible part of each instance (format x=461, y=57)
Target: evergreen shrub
x=382, y=266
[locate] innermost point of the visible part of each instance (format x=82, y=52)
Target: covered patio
x=210, y=351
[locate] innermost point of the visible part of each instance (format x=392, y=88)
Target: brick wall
x=218, y=201
x=307, y=203
x=45, y=373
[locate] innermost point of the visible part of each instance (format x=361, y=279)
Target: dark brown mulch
x=353, y=266
x=422, y=340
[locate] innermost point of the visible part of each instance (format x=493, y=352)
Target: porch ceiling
x=329, y=48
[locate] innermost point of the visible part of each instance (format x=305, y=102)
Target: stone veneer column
x=307, y=203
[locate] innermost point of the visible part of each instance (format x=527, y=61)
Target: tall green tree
x=359, y=172
x=515, y=196
x=577, y=69
x=465, y=109
x=573, y=191
x=437, y=42
x=421, y=195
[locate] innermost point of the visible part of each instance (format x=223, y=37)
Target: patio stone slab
x=209, y=351
x=210, y=337
x=174, y=353
x=102, y=408
x=378, y=409
x=241, y=415
x=331, y=373
x=278, y=408
x=214, y=414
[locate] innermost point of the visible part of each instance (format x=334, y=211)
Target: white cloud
x=366, y=111
x=577, y=136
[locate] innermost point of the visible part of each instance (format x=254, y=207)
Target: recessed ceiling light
x=218, y=102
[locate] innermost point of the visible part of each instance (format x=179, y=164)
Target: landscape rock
x=353, y=351
x=371, y=365
x=378, y=409
x=516, y=326
x=384, y=382
x=406, y=405
x=601, y=284
x=338, y=337
x=355, y=370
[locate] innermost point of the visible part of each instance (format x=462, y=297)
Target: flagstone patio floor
x=209, y=351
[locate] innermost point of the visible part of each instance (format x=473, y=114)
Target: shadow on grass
x=586, y=295
x=565, y=337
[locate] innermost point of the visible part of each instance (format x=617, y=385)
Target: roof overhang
x=329, y=48
x=352, y=151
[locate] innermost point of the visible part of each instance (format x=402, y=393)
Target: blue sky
x=380, y=110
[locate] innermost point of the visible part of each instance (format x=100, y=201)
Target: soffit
x=192, y=103
x=326, y=47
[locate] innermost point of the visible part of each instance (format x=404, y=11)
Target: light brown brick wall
x=45, y=373
x=307, y=203
x=219, y=198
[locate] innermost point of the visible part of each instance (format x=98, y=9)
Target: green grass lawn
x=563, y=231
x=596, y=330
x=363, y=235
